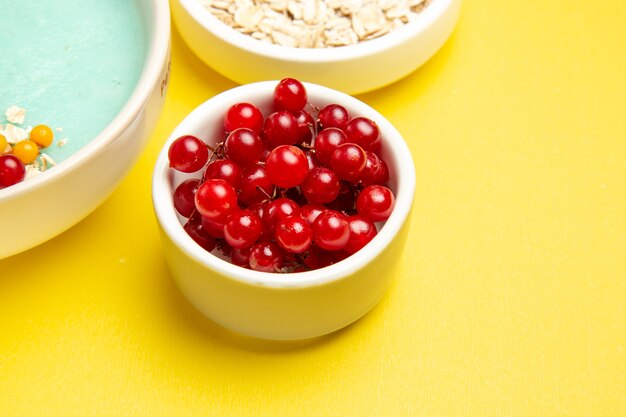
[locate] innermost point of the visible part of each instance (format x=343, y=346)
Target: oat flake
x=15, y=114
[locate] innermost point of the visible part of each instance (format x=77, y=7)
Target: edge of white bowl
x=167, y=218
x=423, y=20
x=151, y=72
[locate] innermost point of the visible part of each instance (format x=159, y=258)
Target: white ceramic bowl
x=282, y=306
x=40, y=208
x=352, y=69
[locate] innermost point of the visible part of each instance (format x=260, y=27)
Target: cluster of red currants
x=285, y=193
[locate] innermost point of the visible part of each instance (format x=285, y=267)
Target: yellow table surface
x=511, y=297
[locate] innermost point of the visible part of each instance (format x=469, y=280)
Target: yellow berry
x=26, y=151
x=3, y=144
x=42, y=135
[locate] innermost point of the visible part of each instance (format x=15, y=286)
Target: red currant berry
x=215, y=229
x=345, y=200
x=375, y=146
x=309, y=212
x=256, y=185
x=240, y=257
x=188, y=154
x=243, y=146
x=382, y=176
x=372, y=165
x=333, y=115
x=280, y=128
x=318, y=258
x=293, y=234
x=243, y=115
x=290, y=95
x=321, y=185
x=224, y=169
x=362, y=131
x=215, y=199
x=306, y=126
x=242, y=229
x=326, y=142
x=331, y=230
x=260, y=209
x=12, y=170
x=348, y=160
x=362, y=231
x=375, y=203
x=196, y=231
x=312, y=160
x=184, y=197
x=279, y=209
x=287, y=166
x=375, y=171
x=266, y=257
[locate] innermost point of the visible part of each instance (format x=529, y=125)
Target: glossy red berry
x=12, y=170
x=240, y=257
x=317, y=258
x=196, y=231
x=213, y=228
x=383, y=173
x=348, y=161
x=306, y=126
x=375, y=203
x=290, y=94
x=188, y=154
x=345, y=200
x=375, y=171
x=331, y=230
x=184, y=197
x=215, y=199
x=333, y=115
x=243, y=115
x=242, y=229
x=266, y=257
x=279, y=209
x=309, y=212
x=326, y=142
x=375, y=146
x=312, y=160
x=321, y=185
x=293, y=234
x=243, y=146
x=362, y=131
x=256, y=185
x=362, y=231
x=287, y=166
x=280, y=128
x=226, y=170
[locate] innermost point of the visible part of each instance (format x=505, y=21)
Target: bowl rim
x=158, y=38
x=399, y=36
x=171, y=226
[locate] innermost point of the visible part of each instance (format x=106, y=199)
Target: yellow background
x=511, y=296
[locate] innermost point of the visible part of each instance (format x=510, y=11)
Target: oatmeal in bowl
x=354, y=46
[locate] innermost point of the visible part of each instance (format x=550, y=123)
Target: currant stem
x=261, y=190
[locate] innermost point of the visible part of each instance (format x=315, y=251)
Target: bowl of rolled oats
x=350, y=45
x=73, y=125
